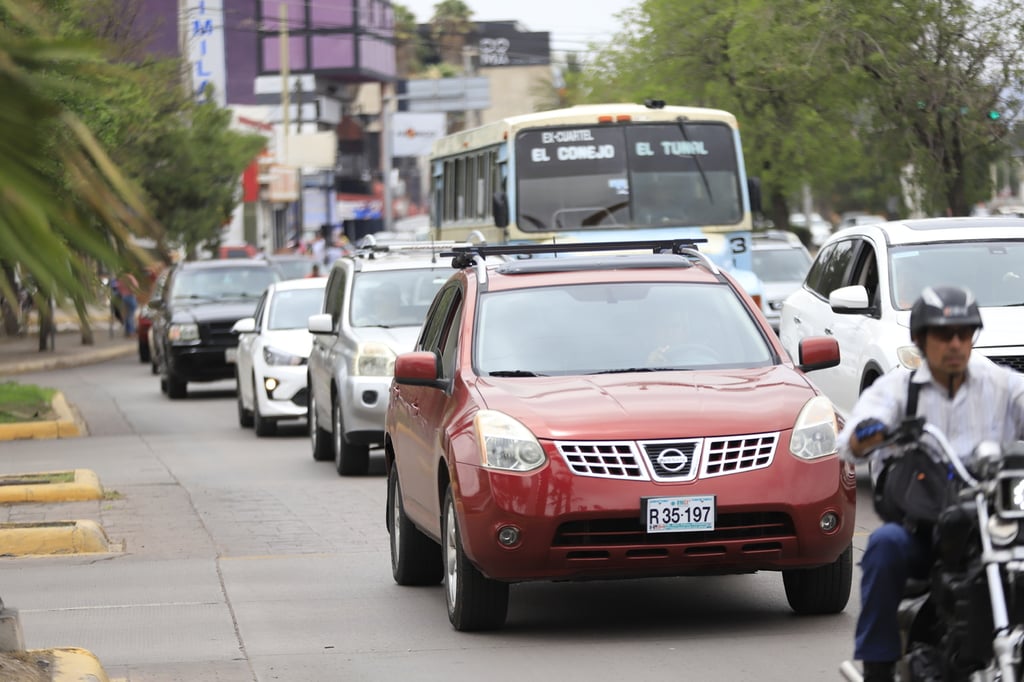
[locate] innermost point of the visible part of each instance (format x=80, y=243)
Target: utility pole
x=386, y=101
x=285, y=99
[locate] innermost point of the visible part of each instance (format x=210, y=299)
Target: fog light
x=829, y=522
x=508, y=536
x=270, y=383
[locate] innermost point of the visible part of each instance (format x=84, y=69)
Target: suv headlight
x=183, y=332
x=814, y=433
x=374, y=360
x=505, y=443
x=909, y=356
x=273, y=356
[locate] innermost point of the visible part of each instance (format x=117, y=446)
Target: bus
x=598, y=172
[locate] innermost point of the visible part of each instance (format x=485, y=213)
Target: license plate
x=230, y=355
x=679, y=514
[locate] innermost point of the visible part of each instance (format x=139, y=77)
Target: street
x=245, y=560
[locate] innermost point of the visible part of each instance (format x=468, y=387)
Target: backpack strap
x=912, y=392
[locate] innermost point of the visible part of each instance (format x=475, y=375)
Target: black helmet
x=944, y=307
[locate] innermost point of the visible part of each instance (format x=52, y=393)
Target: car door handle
x=829, y=331
x=797, y=320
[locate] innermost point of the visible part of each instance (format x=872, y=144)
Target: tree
x=408, y=45
x=450, y=26
x=65, y=205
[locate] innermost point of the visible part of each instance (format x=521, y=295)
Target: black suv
x=192, y=320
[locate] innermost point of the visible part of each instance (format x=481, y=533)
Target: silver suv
x=375, y=303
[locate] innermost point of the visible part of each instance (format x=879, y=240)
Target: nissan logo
x=671, y=459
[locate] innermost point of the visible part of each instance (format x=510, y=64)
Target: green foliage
x=842, y=97
x=24, y=402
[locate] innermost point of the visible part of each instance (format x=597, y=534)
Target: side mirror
x=320, y=323
x=818, y=352
x=500, y=209
x=851, y=300
x=419, y=368
x=246, y=325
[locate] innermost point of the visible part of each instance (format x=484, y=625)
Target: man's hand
x=867, y=435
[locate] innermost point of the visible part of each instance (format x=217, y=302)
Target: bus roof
x=585, y=114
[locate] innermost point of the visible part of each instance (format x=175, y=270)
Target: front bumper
x=364, y=406
x=200, y=363
x=578, y=527
x=290, y=398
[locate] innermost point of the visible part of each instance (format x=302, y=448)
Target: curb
x=16, y=488
x=78, y=665
x=53, y=537
x=44, y=364
x=67, y=425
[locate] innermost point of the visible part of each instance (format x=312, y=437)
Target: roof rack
x=466, y=255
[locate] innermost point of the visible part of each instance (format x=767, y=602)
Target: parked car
x=864, y=280
x=374, y=304
x=780, y=261
x=273, y=351
x=201, y=301
x=609, y=416
x=294, y=265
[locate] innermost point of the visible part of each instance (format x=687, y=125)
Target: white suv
x=374, y=305
x=864, y=280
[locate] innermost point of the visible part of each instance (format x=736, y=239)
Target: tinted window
x=830, y=267
x=394, y=298
x=993, y=271
x=222, y=283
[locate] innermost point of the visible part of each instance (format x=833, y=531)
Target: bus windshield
x=629, y=175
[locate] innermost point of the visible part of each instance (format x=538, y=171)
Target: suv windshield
x=222, y=283
x=780, y=265
x=292, y=309
x=616, y=327
x=394, y=298
x=993, y=271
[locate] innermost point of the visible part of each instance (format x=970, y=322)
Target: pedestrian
x=967, y=395
x=127, y=289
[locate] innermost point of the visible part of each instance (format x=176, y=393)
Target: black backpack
x=913, y=488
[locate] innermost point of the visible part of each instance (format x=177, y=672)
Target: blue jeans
x=893, y=555
x=130, y=304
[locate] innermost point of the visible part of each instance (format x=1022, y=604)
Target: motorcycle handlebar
x=912, y=430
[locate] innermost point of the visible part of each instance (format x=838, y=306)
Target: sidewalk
x=21, y=354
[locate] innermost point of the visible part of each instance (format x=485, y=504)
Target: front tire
x=176, y=388
x=244, y=415
x=415, y=558
x=349, y=459
x=822, y=590
x=320, y=439
x=262, y=425
x=474, y=602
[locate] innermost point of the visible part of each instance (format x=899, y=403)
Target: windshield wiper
x=696, y=160
x=514, y=373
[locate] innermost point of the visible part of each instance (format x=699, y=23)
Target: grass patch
x=25, y=403
x=39, y=479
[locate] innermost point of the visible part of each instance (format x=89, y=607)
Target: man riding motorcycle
x=968, y=397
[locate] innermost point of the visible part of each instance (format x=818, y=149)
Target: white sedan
x=273, y=351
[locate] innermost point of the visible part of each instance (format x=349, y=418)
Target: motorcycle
x=966, y=620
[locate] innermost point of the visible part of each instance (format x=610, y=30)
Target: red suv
x=609, y=415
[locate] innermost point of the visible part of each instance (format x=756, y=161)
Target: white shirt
x=989, y=405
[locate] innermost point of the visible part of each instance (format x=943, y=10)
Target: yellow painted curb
x=52, y=537
x=77, y=665
x=28, y=488
x=66, y=425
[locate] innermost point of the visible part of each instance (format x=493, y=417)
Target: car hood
x=214, y=311
x=652, y=405
x=295, y=341
x=398, y=339
x=1002, y=327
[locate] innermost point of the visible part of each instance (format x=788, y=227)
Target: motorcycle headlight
x=273, y=356
x=814, y=433
x=1002, y=531
x=1010, y=494
x=183, y=332
x=505, y=443
x=374, y=360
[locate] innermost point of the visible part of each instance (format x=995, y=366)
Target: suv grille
x=218, y=334
x=616, y=532
x=1012, y=361
x=669, y=460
